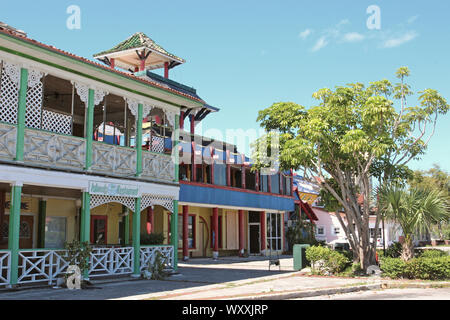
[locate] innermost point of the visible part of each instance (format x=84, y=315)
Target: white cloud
x=412, y=19
x=398, y=41
x=305, y=34
x=343, y=22
x=353, y=37
x=321, y=43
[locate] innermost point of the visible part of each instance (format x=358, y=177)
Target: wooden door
x=255, y=246
x=25, y=232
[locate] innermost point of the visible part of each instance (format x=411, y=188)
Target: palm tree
x=415, y=210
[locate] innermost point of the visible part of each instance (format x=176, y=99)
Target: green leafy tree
x=415, y=210
x=434, y=178
x=354, y=135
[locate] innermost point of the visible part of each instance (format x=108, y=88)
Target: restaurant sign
x=113, y=189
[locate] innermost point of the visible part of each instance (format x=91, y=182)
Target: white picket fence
x=41, y=265
x=5, y=270
x=148, y=255
x=111, y=261
x=45, y=265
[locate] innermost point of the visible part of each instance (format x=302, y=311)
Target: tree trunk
x=407, y=249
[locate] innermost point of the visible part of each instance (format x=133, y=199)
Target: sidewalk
x=224, y=279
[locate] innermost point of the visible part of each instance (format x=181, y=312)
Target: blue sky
x=242, y=56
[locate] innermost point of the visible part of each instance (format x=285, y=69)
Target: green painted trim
x=137, y=237
x=93, y=67
x=41, y=223
x=14, y=230
x=126, y=221
x=140, y=119
x=174, y=234
x=175, y=148
x=89, y=129
x=21, y=111
x=85, y=228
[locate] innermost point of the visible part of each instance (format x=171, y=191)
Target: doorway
x=25, y=233
x=99, y=227
x=254, y=231
x=204, y=236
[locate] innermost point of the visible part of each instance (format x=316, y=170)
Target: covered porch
x=36, y=221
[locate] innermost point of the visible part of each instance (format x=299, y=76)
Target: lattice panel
x=8, y=139
x=98, y=200
x=152, y=200
x=9, y=92
x=56, y=122
x=34, y=99
x=157, y=144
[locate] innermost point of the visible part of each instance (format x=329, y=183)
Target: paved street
x=205, y=279
x=390, y=294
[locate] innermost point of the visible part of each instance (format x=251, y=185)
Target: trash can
x=299, y=253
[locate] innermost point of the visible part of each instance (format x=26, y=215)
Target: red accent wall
x=215, y=227
x=241, y=232
x=263, y=229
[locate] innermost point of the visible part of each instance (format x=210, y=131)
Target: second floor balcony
x=53, y=121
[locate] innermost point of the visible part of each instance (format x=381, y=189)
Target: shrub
x=315, y=254
x=336, y=262
x=433, y=253
x=437, y=268
x=356, y=268
x=393, y=267
x=152, y=239
x=394, y=250
x=326, y=260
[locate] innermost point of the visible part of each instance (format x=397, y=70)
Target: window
x=286, y=183
x=320, y=230
x=55, y=232
x=264, y=183
x=273, y=231
x=191, y=231
x=220, y=174
x=337, y=230
x=250, y=179
x=275, y=183
x=372, y=233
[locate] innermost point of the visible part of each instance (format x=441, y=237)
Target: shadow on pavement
x=203, y=273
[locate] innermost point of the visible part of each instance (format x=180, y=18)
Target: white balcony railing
x=54, y=150
x=5, y=267
x=44, y=265
x=157, y=166
x=148, y=255
x=8, y=136
x=111, y=261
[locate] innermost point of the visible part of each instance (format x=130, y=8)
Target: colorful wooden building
x=90, y=152
x=85, y=151
x=226, y=208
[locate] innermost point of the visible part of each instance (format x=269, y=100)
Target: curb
x=313, y=293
